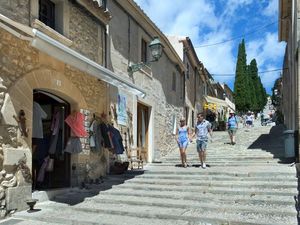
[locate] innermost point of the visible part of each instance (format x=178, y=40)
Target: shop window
x=144, y=51
x=47, y=12
x=174, y=81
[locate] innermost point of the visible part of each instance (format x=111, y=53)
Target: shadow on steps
x=78, y=195
x=273, y=143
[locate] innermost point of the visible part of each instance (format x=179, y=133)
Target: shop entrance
x=143, y=115
x=50, y=165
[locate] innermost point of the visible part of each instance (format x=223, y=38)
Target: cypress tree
x=249, y=92
x=253, y=74
x=241, y=84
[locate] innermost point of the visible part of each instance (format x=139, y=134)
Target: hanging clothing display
x=117, y=140
x=96, y=138
x=55, y=132
x=73, y=145
x=37, y=125
x=75, y=122
x=105, y=135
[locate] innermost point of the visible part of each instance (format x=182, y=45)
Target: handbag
x=50, y=165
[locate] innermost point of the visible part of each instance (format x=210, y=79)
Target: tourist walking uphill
x=182, y=138
x=202, y=129
x=232, y=125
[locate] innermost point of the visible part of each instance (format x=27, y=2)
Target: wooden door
x=143, y=129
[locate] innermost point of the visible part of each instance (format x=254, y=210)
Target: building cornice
x=95, y=8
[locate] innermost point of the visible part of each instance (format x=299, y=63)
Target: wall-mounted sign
x=121, y=110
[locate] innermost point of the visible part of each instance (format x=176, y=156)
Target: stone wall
x=23, y=69
x=86, y=33
x=17, y=10
x=125, y=39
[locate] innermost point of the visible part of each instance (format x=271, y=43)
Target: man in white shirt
x=203, y=127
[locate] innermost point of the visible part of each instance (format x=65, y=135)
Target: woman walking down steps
x=182, y=138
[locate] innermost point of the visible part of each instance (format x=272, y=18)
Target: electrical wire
x=233, y=74
x=238, y=37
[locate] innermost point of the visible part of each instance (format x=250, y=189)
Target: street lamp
x=156, y=52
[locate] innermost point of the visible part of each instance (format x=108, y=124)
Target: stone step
x=260, y=206
x=252, y=199
x=207, y=189
x=220, y=163
x=188, y=214
x=226, y=157
x=231, y=183
x=12, y=221
x=156, y=170
x=62, y=214
x=207, y=177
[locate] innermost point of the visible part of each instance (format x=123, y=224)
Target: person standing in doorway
x=182, y=138
x=203, y=127
x=232, y=125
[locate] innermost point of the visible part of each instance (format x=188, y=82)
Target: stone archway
x=15, y=151
x=19, y=96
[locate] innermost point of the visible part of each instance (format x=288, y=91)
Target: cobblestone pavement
x=248, y=183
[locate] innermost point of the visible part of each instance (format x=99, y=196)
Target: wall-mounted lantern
x=156, y=52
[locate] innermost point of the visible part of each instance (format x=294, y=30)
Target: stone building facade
x=194, y=78
x=289, y=32
x=80, y=63
x=162, y=106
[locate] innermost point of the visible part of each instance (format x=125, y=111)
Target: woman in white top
x=182, y=138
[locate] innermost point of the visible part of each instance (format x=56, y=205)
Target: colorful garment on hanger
x=117, y=140
x=105, y=135
x=55, y=132
x=75, y=122
x=73, y=145
x=96, y=138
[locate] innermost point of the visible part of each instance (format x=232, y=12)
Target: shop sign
x=211, y=106
x=121, y=110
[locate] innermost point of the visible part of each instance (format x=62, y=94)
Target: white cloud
x=272, y=8
x=266, y=51
x=204, y=23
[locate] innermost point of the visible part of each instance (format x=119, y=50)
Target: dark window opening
x=174, y=82
x=193, y=119
x=144, y=51
x=47, y=13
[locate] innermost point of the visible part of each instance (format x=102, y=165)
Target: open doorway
x=49, y=138
x=143, y=116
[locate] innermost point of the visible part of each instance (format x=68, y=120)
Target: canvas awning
x=214, y=103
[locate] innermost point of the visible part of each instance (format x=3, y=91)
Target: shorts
x=183, y=144
x=249, y=122
x=201, y=145
x=232, y=131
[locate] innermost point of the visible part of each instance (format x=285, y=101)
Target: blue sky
x=212, y=21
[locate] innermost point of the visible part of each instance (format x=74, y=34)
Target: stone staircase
x=244, y=184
